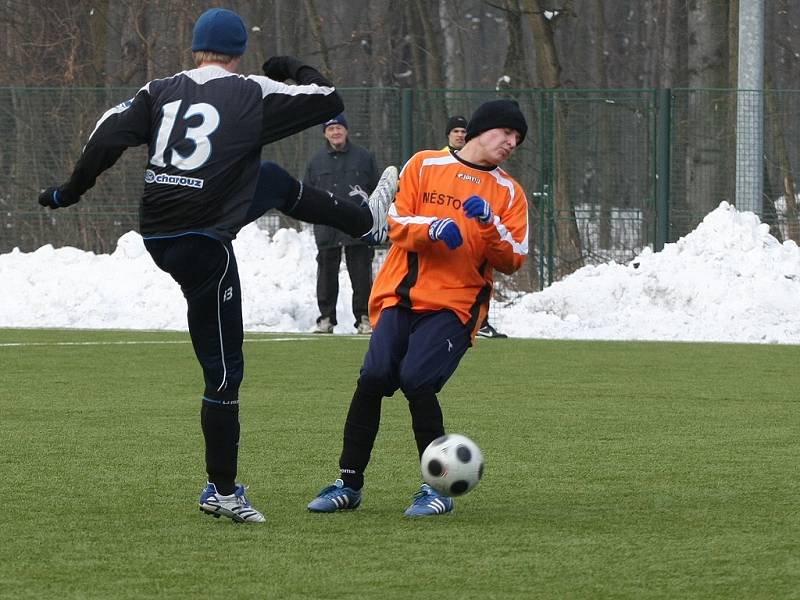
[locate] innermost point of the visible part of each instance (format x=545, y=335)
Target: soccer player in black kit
x=204, y=181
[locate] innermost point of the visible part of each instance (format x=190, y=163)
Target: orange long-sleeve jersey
x=426, y=275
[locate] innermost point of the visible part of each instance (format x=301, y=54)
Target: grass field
x=614, y=470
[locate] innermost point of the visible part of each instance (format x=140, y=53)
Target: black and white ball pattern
x=452, y=464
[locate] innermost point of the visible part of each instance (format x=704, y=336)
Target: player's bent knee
x=378, y=381
x=415, y=385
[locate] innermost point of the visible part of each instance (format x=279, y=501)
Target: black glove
x=54, y=197
x=281, y=68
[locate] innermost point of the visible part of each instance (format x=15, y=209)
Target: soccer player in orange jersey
x=456, y=218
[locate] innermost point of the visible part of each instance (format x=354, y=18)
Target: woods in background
x=419, y=43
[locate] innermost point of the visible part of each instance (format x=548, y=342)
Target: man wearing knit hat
x=455, y=131
x=456, y=138
x=203, y=181
x=456, y=218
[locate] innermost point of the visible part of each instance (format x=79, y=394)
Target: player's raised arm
x=121, y=127
x=504, y=228
x=289, y=109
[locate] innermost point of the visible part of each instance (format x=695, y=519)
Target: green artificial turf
x=613, y=470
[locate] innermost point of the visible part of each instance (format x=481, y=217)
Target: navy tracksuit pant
x=416, y=353
x=206, y=270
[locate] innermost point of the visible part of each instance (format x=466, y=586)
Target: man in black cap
x=456, y=138
x=456, y=131
x=203, y=182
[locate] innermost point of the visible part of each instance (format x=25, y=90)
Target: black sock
x=221, y=432
x=360, y=431
x=322, y=208
x=426, y=418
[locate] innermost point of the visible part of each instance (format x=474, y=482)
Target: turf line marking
x=157, y=342
x=140, y=342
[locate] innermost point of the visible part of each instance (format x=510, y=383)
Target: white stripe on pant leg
x=224, y=383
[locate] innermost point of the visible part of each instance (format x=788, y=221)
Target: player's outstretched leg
x=379, y=202
x=335, y=497
x=277, y=189
x=428, y=502
x=235, y=506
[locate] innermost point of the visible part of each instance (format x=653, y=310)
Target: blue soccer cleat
x=234, y=506
x=335, y=497
x=428, y=501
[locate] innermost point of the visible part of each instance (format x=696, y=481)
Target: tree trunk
x=568, y=240
x=708, y=157
x=773, y=114
x=604, y=166
x=315, y=22
x=436, y=109
x=515, y=65
x=452, y=57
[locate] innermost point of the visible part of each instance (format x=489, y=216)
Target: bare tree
x=453, y=55
x=515, y=64
x=707, y=152
x=548, y=68
x=315, y=21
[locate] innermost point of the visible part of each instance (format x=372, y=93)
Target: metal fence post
x=548, y=188
x=406, y=124
x=663, y=146
x=750, y=108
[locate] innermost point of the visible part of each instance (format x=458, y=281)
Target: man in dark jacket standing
x=347, y=171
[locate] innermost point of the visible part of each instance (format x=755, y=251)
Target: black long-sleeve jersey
x=205, y=128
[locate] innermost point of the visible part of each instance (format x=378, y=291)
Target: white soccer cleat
x=234, y=506
x=378, y=203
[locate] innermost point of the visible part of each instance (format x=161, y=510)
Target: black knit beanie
x=455, y=121
x=497, y=113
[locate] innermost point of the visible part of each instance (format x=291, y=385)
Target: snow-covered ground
x=729, y=280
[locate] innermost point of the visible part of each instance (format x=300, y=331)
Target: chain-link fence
x=606, y=172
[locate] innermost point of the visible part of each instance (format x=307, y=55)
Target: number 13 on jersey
x=198, y=135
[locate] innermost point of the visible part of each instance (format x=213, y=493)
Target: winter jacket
x=350, y=173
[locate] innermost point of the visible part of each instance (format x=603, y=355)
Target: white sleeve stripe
x=501, y=179
x=505, y=235
x=121, y=107
x=415, y=220
x=270, y=86
x=439, y=160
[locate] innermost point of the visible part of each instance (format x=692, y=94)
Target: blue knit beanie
x=337, y=120
x=220, y=30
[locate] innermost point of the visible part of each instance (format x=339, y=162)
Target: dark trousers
x=206, y=270
x=358, y=259
x=414, y=352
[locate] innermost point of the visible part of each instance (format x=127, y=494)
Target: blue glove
x=56, y=198
x=447, y=231
x=478, y=208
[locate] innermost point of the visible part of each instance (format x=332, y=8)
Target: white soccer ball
x=452, y=464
